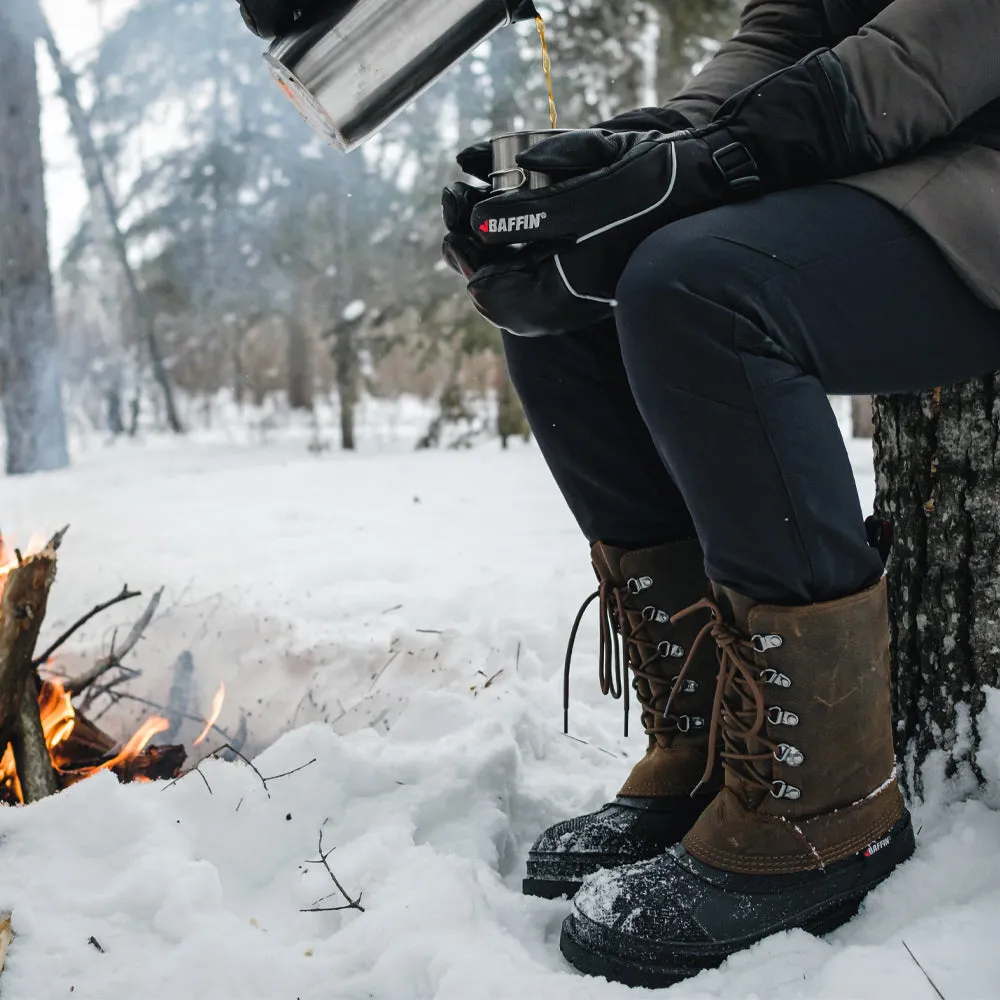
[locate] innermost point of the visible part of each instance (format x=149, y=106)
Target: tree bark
x=937, y=460
x=32, y=401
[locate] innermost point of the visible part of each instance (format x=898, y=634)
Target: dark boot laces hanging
x=626, y=647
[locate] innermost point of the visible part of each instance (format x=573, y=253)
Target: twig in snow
x=517, y=657
x=430, y=631
x=294, y=770
x=375, y=679
x=125, y=595
x=490, y=680
x=351, y=904
x=577, y=739
x=395, y=607
x=94, y=943
x=229, y=748
x=923, y=970
x=113, y=659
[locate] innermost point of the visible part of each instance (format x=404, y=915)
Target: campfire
x=48, y=742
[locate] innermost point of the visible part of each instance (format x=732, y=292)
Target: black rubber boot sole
x=658, y=964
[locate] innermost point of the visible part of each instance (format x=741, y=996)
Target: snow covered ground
x=400, y=618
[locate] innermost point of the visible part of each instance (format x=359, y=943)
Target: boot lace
x=623, y=647
x=739, y=708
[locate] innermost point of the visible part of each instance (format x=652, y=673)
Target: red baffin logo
x=514, y=224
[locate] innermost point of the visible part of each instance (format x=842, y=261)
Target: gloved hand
x=515, y=288
x=271, y=18
x=611, y=191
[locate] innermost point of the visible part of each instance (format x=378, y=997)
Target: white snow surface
x=356, y=608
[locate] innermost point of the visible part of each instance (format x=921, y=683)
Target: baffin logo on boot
x=514, y=224
x=877, y=846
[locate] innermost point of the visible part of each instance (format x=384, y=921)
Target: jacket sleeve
x=773, y=35
x=911, y=76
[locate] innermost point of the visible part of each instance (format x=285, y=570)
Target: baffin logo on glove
x=514, y=224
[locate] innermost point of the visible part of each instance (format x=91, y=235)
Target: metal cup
x=506, y=174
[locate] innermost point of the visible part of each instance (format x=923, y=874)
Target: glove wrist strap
x=735, y=163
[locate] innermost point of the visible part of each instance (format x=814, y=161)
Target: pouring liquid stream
x=547, y=66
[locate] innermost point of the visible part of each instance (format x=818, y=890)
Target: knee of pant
x=676, y=293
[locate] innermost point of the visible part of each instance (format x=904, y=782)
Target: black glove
x=582, y=230
x=498, y=276
x=270, y=18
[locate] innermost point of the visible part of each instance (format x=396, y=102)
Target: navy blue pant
x=702, y=409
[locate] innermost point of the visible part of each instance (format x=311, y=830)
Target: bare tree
x=32, y=403
x=106, y=214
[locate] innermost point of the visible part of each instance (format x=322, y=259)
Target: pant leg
x=734, y=325
x=580, y=407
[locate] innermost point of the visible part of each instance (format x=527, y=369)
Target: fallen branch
x=125, y=595
x=350, y=904
x=79, y=684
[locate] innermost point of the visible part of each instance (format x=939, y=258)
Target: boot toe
x=655, y=923
x=620, y=833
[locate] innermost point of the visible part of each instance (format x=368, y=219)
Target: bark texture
x=937, y=460
x=33, y=413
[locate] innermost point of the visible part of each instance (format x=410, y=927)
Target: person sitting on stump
x=817, y=212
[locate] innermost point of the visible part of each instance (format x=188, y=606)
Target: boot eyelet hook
x=670, y=649
x=787, y=754
x=687, y=687
x=770, y=676
x=651, y=614
x=762, y=643
x=637, y=584
x=781, y=790
x=777, y=716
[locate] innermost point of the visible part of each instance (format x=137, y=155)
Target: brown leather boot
x=638, y=592
x=810, y=819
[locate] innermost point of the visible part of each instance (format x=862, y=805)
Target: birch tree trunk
x=937, y=460
x=32, y=402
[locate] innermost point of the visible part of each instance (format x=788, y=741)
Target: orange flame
x=58, y=719
x=220, y=697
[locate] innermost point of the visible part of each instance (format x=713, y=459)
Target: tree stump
x=937, y=462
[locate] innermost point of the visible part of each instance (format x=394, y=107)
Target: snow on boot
x=811, y=817
x=638, y=592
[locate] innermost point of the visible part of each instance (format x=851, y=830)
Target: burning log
x=22, y=610
x=31, y=752
x=51, y=745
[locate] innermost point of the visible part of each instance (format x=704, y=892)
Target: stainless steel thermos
x=353, y=72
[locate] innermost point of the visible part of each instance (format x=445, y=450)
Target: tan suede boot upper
x=803, y=705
